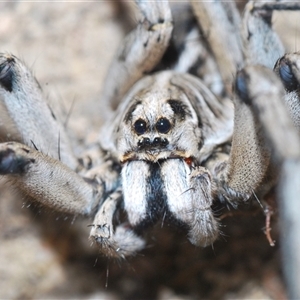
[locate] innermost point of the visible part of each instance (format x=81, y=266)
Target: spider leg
x=249, y=168
x=261, y=43
x=288, y=69
x=190, y=45
x=219, y=23
x=198, y=60
x=279, y=114
x=32, y=116
x=114, y=240
x=141, y=50
x=261, y=103
x=46, y=179
x=44, y=166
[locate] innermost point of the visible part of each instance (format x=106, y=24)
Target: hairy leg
x=141, y=50
x=277, y=113
x=219, y=23
x=44, y=167
x=46, y=180
x=37, y=125
x=115, y=240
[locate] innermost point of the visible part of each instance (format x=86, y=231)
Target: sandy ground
x=48, y=256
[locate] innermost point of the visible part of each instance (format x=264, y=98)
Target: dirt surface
x=44, y=255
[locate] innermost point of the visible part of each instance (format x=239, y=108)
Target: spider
x=178, y=138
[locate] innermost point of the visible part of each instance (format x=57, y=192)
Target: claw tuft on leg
x=10, y=163
x=6, y=72
x=121, y=243
x=116, y=241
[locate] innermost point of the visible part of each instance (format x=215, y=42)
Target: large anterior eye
x=163, y=125
x=140, y=126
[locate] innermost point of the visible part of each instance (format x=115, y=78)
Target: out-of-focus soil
x=44, y=255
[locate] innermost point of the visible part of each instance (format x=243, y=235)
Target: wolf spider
x=181, y=135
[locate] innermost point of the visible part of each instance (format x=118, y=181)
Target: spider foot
x=115, y=241
x=11, y=162
x=119, y=242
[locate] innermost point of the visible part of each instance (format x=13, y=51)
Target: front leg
x=258, y=146
x=262, y=98
x=47, y=180
x=47, y=173
x=219, y=22
x=115, y=240
x=250, y=169
x=288, y=70
x=141, y=50
x=279, y=113
x=249, y=158
x=33, y=118
x=261, y=43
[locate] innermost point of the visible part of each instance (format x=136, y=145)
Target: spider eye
x=163, y=125
x=140, y=126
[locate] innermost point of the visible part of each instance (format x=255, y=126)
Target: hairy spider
x=178, y=138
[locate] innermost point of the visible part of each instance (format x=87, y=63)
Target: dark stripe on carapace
x=131, y=109
x=193, y=101
x=179, y=108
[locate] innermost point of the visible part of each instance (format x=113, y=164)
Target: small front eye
x=140, y=126
x=163, y=125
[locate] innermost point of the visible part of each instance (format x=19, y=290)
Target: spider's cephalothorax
x=172, y=147
x=167, y=125
x=170, y=115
